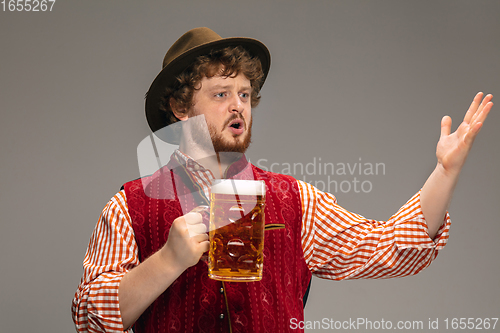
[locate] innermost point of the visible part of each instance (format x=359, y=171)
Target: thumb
x=445, y=126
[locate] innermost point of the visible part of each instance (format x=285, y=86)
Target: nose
x=236, y=105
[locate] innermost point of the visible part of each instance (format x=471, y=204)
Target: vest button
x=221, y=316
x=221, y=290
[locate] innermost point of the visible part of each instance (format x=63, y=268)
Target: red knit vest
x=196, y=303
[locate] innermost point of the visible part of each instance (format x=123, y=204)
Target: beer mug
x=236, y=230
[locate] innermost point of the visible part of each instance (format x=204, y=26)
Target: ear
x=179, y=113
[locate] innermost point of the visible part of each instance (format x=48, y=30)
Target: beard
x=237, y=145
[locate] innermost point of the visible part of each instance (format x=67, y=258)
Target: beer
x=236, y=230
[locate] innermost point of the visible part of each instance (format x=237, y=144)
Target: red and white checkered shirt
x=337, y=245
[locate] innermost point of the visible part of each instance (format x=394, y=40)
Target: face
x=225, y=103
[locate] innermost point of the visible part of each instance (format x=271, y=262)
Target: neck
x=216, y=162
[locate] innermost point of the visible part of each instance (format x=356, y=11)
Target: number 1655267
x=27, y=5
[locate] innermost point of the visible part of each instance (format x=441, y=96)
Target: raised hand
x=453, y=148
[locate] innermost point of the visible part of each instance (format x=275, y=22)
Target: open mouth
x=237, y=126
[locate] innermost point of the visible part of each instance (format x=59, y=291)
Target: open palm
x=453, y=148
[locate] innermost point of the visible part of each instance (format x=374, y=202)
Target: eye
x=245, y=95
x=221, y=94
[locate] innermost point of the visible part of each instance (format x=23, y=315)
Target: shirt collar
x=189, y=163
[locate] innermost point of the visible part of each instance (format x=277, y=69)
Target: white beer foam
x=239, y=187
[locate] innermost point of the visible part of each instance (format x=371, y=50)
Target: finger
x=478, y=116
x=200, y=238
x=204, y=246
x=205, y=214
x=473, y=130
x=484, y=113
x=478, y=124
x=471, y=135
x=485, y=101
x=196, y=229
x=193, y=218
x=473, y=107
x=445, y=126
x=179, y=226
x=481, y=108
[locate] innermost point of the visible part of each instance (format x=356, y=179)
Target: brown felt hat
x=181, y=55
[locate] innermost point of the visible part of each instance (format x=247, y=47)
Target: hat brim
x=158, y=119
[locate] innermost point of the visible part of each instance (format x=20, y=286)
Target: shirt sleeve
x=339, y=245
x=111, y=253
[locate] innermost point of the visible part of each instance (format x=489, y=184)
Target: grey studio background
x=350, y=82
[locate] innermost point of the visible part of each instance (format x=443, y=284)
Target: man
x=142, y=268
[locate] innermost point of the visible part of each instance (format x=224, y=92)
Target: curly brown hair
x=229, y=61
